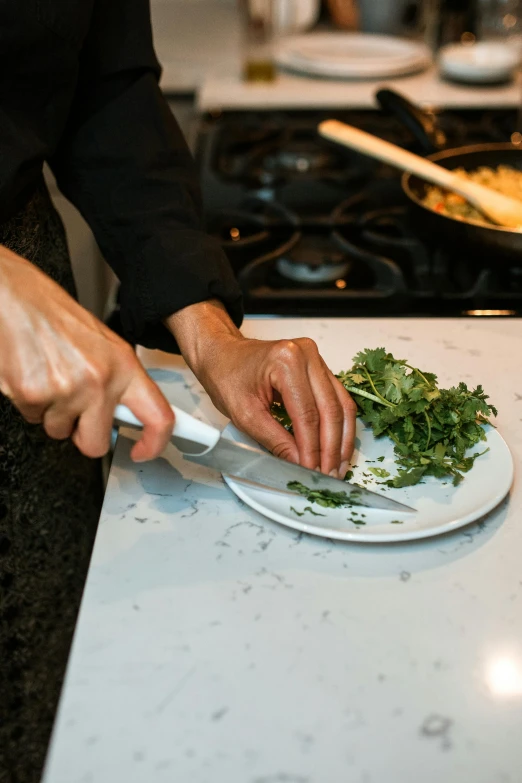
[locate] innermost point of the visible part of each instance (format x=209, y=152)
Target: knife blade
x=240, y=461
x=203, y=444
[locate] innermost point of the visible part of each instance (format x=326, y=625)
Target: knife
x=203, y=444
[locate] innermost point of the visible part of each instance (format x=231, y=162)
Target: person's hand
x=244, y=376
x=63, y=368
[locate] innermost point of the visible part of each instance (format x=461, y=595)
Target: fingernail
x=317, y=470
x=334, y=474
x=343, y=470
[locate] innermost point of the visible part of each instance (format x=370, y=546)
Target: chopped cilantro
x=326, y=497
x=379, y=472
x=397, y=521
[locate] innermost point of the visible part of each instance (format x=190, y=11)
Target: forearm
x=201, y=330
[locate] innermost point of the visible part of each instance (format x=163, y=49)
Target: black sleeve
x=124, y=163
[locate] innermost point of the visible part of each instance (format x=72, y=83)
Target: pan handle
x=421, y=124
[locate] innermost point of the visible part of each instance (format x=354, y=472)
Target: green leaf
x=326, y=497
x=379, y=472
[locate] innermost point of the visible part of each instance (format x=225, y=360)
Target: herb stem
x=383, y=399
x=415, y=369
x=362, y=393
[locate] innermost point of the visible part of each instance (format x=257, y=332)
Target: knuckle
x=168, y=420
x=57, y=431
x=160, y=424
x=309, y=345
x=287, y=351
x=334, y=412
x=31, y=394
x=98, y=376
x=309, y=416
x=349, y=404
x=283, y=450
x=92, y=449
x=64, y=388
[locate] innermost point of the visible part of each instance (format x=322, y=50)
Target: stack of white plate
x=352, y=55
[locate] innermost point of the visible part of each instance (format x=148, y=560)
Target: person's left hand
x=243, y=377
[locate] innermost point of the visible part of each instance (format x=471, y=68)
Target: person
x=79, y=90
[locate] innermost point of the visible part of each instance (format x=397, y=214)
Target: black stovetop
x=312, y=229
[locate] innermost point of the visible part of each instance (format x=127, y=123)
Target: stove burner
x=330, y=231
x=314, y=261
x=252, y=230
x=274, y=155
x=300, y=158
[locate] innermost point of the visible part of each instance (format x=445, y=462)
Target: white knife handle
x=185, y=426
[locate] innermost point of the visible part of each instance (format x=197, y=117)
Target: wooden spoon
x=500, y=209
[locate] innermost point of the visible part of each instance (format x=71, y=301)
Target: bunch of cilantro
x=431, y=428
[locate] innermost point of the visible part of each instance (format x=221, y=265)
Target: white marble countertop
x=229, y=92
x=215, y=646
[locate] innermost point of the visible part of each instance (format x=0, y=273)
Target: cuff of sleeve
x=170, y=277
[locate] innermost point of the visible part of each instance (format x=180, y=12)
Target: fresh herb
x=357, y=521
x=298, y=513
x=379, y=472
x=348, y=476
x=326, y=497
x=431, y=428
x=397, y=521
x=380, y=459
x=280, y=414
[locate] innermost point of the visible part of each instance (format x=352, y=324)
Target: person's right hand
x=63, y=368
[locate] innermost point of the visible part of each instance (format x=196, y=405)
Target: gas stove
x=313, y=229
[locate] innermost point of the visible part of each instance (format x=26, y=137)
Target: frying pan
x=487, y=241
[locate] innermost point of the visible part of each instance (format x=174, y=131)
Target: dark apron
x=50, y=500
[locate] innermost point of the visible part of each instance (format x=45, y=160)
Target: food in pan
x=504, y=179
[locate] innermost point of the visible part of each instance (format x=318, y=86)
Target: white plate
x=352, y=55
x=441, y=507
x=480, y=63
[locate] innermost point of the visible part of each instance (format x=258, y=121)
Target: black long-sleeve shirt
x=79, y=89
